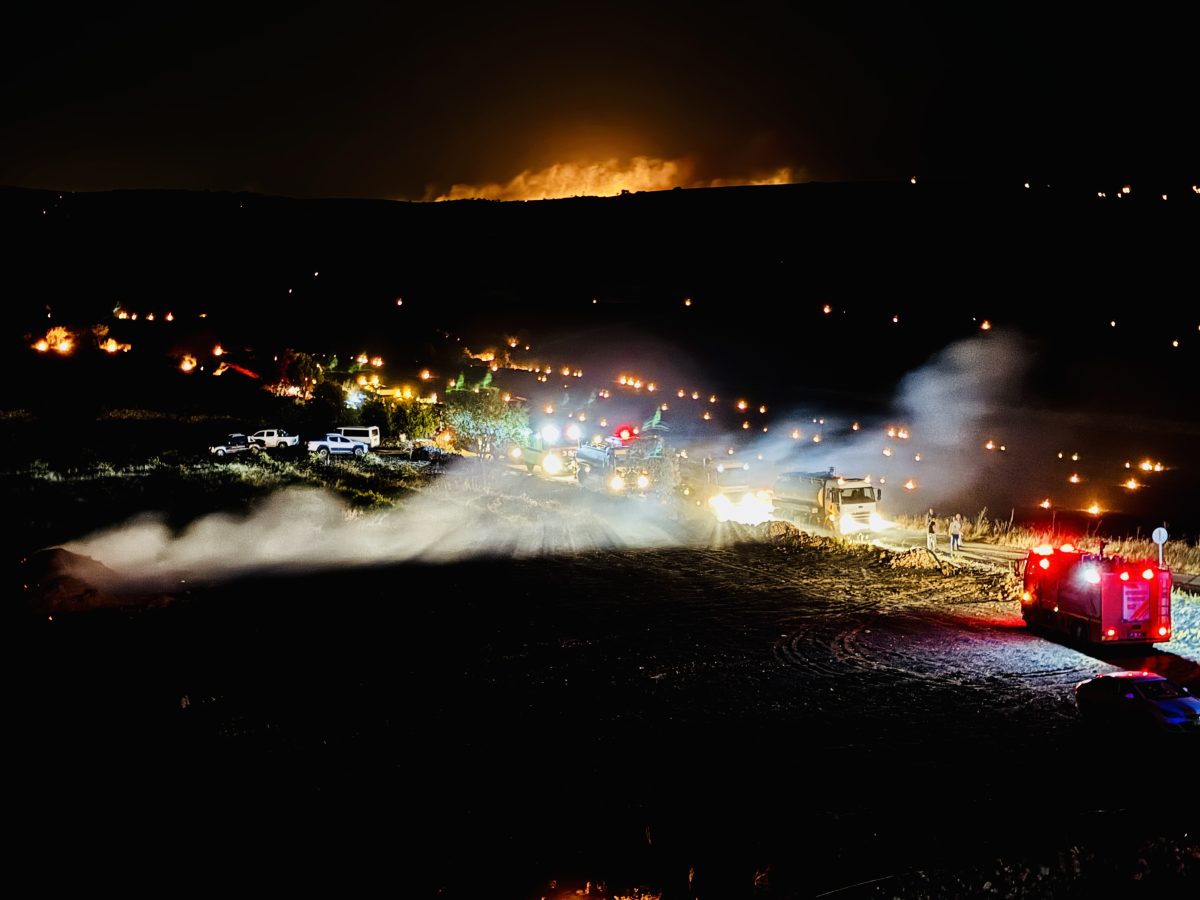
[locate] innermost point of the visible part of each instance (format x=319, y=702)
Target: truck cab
x=852, y=505
x=619, y=466
x=840, y=503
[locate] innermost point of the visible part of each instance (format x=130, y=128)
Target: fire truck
x=1097, y=599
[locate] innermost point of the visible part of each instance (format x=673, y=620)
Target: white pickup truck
x=274, y=438
x=334, y=444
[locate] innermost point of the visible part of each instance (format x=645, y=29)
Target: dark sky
x=381, y=100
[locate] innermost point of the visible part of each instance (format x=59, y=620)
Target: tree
x=482, y=420
x=414, y=419
x=325, y=410
x=300, y=369
x=375, y=410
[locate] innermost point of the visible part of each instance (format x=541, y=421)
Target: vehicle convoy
x=274, y=439
x=624, y=462
x=1096, y=599
x=334, y=444
x=841, y=504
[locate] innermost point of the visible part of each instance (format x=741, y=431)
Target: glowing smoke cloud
x=953, y=401
x=949, y=406
x=464, y=516
x=605, y=179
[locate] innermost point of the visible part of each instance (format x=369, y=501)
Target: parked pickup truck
x=334, y=444
x=229, y=445
x=274, y=438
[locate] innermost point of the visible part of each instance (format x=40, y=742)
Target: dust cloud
x=467, y=514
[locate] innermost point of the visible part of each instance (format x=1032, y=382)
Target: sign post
x=1159, y=537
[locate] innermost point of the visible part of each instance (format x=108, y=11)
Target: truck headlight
x=643, y=482
x=616, y=483
x=552, y=464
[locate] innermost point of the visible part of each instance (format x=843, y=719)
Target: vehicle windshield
x=1160, y=690
x=858, y=495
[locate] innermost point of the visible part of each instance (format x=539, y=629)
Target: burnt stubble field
x=765, y=712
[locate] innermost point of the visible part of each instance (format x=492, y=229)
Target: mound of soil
x=57, y=582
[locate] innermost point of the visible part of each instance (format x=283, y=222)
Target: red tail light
x=1163, y=631
x=1147, y=574
x=1044, y=563
x=1112, y=632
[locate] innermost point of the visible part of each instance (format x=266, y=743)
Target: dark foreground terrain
x=775, y=717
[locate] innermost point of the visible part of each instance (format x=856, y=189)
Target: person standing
x=931, y=532
x=955, y=533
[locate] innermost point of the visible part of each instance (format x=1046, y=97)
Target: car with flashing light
x=335, y=444
x=274, y=439
x=230, y=445
x=1138, y=700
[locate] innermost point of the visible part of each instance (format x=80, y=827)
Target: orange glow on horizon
x=606, y=178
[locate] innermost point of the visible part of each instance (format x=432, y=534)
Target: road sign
x=1159, y=537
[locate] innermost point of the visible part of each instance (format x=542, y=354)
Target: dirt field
x=752, y=712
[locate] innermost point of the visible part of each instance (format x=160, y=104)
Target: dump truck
x=839, y=503
x=1096, y=599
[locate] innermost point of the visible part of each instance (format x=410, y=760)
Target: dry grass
x=1180, y=556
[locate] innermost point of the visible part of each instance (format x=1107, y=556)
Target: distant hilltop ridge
x=763, y=248
x=864, y=222
x=975, y=190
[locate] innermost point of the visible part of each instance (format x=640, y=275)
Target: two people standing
x=931, y=529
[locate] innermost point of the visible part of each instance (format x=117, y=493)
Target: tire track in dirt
x=930, y=638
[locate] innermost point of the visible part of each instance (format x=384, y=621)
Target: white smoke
x=966, y=395
x=470, y=513
x=948, y=408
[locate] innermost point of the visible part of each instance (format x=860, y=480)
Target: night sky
x=382, y=100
